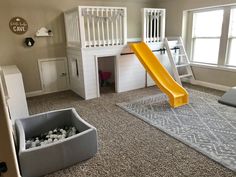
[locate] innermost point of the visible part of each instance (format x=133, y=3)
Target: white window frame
x=225, y=39
x=229, y=42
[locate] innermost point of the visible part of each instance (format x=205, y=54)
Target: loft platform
x=95, y=32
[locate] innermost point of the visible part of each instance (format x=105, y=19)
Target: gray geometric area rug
x=203, y=124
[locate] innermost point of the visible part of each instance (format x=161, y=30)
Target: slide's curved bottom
x=178, y=96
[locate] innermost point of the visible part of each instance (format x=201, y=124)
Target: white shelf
x=44, y=32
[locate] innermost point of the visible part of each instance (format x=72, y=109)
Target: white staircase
x=178, y=58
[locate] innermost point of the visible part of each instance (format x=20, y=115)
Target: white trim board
x=208, y=85
x=34, y=93
x=214, y=67
x=40, y=92
x=196, y=82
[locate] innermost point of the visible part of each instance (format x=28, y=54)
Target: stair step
x=185, y=75
x=182, y=65
x=178, y=45
x=179, y=58
x=180, y=55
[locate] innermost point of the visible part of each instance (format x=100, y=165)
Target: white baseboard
x=209, y=85
x=41, y=92
x=34, y=93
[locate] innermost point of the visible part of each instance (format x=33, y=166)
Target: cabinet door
x=54, y=76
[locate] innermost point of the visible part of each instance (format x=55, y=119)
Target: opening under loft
x=106, y=74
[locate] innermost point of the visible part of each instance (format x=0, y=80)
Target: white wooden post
x=82, y=30
x=125, y=27
x=163, y=24
x=121, y=27
x=88, y=27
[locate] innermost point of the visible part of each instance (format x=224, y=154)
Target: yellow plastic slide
x=178, y=96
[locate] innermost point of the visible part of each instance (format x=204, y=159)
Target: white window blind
x=206, y=35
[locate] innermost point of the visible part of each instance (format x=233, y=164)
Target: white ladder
x=178, y=59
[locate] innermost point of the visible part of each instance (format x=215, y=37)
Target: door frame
x=40, y=61
x=114, y=58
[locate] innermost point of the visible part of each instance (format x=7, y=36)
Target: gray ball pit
x=45, y=159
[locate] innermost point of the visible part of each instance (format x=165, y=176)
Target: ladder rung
x=180, y=55
x=182, y=65
x=178, y=45
x=185, y=75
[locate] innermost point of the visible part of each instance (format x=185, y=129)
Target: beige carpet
x=128, y=146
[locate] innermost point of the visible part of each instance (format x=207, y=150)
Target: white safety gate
x=89, y=26
x=153, y=25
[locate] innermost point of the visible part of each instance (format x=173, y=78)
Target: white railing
x=153, y=25
x=98, y=26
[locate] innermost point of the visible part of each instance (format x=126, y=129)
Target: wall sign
x=18, y=25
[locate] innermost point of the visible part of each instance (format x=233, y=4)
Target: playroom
x=118, y=88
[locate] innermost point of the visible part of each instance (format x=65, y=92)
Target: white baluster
x=94, y=35
x=121, y=27
x=158, y=25
x=88, y=27
x=112, y=28
x=98, y=27
x=155, y=26
x=148, y=24
x=116, y=27
x=103, y=34
x=107, y=23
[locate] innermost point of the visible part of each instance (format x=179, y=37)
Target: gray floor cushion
x=229, y=98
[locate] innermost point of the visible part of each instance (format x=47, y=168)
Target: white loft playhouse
x=100, y=33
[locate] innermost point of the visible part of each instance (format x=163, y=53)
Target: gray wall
x=49, y=13
x=174, y=14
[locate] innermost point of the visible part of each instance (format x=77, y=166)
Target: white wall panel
x=165, y=61
x=76, y=72
x=131, y=73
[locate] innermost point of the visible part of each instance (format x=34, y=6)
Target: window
x=211, y=36
x=231, y=57
x=206, y=36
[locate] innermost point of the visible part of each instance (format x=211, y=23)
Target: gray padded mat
x=229, y=98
